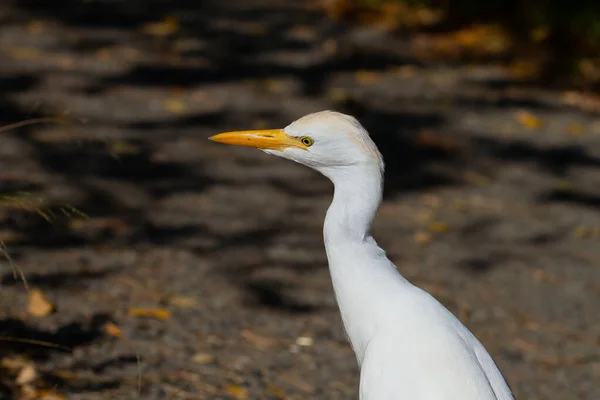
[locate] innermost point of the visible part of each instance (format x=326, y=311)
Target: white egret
x=408, y=345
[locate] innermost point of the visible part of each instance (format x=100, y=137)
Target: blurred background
x=141, y=260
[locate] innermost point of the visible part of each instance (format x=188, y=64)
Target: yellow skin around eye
x=306, y=141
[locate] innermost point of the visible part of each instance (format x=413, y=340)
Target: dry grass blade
x=29, y=202
x=33, y=121
x=17, y=272
x=35, y=342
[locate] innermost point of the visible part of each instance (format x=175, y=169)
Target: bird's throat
x=356, y=263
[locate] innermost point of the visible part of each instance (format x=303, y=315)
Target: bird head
x=326, y=141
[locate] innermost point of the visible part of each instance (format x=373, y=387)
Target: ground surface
x=492, y=203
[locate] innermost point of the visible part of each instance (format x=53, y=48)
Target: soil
x=200, y=272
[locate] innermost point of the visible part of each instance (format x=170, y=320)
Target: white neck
x=358, y=192
x=360, y=270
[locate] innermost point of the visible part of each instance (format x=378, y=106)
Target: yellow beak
x=271, y=139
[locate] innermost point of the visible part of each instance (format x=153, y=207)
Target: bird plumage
x=407, y=344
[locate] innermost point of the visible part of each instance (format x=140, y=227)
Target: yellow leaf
x=524, y=69
x=203, y=358
x=366, y=77
x=275, y=391
x=112, y=329
x=237, y=391
x=38, y=305
x=121, y=147
x=103, y=54
x=175, y=106
x=423, y=238
x=275, y=86
x=158, y=313
x=183, y=301
x=575, y=129
x=49, y=395
x=438, y=226
x=166, y=27
x=338, y=95
x=24, y=53
x=260, y=124
x=66, y=375
x=528, y=120
x=539, y=34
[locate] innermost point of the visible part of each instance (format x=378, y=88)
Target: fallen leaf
x=260, y=124
x=27, y=375
x=298, y=383
x=275, y=86
x=66, y=375
x=262, y=342
x=276, y=391
x=36, y=27
x=423, y=238
x=582, y=232
x=113, y=225
x=175, y=106
x=203, y=358
x=475, y=178
x=404, y=71
x=39, y=305
x=525, y=69
x=104, y=54
x=539, y=34
x=528, y=120
x=112, y=329
x=121, y=148
x=304, y=341
x=237, y=391
x=166, y=27
x=302, y=33
x=8, y=236
x=24, y=53
x=438, y=227
x=575, y=129
x=338, y=95
x=49, y=395
x=158, y=313
x=366, y=77
x=183, y=301
x=431, y=139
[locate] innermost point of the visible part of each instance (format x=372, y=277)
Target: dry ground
x=492, y=203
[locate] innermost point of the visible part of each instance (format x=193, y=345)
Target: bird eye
x=306, y=141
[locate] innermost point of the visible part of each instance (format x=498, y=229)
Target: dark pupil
x=306, y=141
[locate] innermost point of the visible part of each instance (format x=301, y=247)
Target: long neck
x=360, y=271
x=356, y=199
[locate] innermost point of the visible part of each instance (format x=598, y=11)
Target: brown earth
x=492, y=203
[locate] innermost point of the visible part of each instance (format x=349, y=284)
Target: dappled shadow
x=557, y=160
x=60, y=279
x=21, y=338
x=271, y=294
x=228, y=60
x=573, y=197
